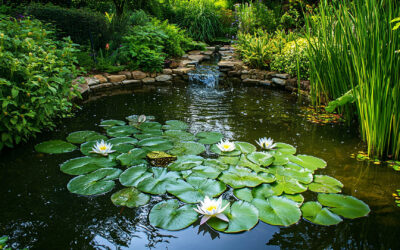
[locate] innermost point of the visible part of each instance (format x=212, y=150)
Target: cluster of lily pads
x=234, y=184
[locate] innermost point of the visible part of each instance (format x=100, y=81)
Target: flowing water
x=37, y=210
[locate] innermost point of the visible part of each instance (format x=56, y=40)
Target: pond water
x=37, y=210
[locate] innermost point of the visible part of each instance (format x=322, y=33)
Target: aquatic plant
x=152, y=159
x=102, y=148
x=226, y=146
x=266, y=143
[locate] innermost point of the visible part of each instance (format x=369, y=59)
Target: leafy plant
x=35, y=78
x=254, y=16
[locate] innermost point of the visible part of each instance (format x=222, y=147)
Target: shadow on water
x=37, y=210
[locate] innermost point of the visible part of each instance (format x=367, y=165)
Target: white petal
x=222, y=217
x=204, y=219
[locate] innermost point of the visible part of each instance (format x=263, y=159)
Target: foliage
x=35, y=79
x=290, y=19
x=81, y=25
x=254, y=16
x=355, y=51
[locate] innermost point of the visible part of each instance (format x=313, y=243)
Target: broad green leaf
x=245, y=147
x=123, y=147
x=244, y=162
x=289, y=185
x=219, y=224
x=55, y=147
x=209, y=137
x=306, y=161
x=149, y=126
x=155, y=144
x=216, y=150
x=228, y=160
x=277, y=210
x=243, y=216
x=215, y=164
x=266, y=190
x=134, y=175
x=261, y=158
x=179, y=135
x=149, y=134
x=157, y=183
x=112, y=123
x=175, y=125
x=130, y=197
x=285, y=148
x=97, y=182
x=238, y=177
x=187, y=148
x=205, y=172
x=304, y=176
x=83, y=165
x=81, y=136
x=121, y=131
x=169, y=215
x=132, y=157
x=314, y=212
x=298, y=198
x=87, y=148
x=122, y=140
x=186, y=162
x=344, y=205
x=325, y=184
x=280, y=159
x=195, y=189
x=243, y=194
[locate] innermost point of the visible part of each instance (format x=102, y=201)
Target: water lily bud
x=2, y=35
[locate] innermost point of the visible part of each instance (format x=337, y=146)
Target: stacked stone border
x=233, y=73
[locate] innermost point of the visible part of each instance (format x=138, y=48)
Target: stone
x=207, y=52
x=185, y=63
x=182, y=71
x=167, y=71
x=185, y=56
x=194, y=52
x=234, y=73
x=131, y=82
x=163, y=78
x=226, y=64
x=279, y=81
x=174, y=64
x=91, y=81
x=128, y=74
x=282, y=76
x=138, y=75
x=251, y=81
x=83, y=88
x=116, y=78
x=265, y=83
x=101, y=86
x=210, y=48
x=152, y=75
x=244, y=76
x=148, y=80
x=197, y=58
x=101, y=78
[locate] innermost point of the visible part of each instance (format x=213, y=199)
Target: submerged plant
x=211, y=208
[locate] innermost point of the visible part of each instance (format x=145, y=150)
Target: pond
x=37, y=210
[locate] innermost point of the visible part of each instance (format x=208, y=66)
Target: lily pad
x=238, y=177
x=285, y=148
x=133, y=157
x=314, y=212
x=122, y=140
x=228, y=160
x=123, y=147
x=243, y=216
x=187, y=148
x=277, y=210
x=244, y=162
x=155, y=144
x=169, y=215
x=186, y=162
x=55, y=147
x=159, y=180
x=83, y=165
x=112, y=123
x=306, y=161
x=260, y=158
x=150, y=126
x=216, y=150
x=134, y=175
x=175, y=125
x=216, y=164
x=243, y=194
x=82, y=136
x=289, y=185
x=280, y=159
x=298, y=198
x=130, y=197
x=97, y=182
x=121, y=131
x=304, y=176
x=195, y=189
x=325, y=184
x=205, y=172
x=267, y=190
x=179, y=135
x=344, y=205
x=134, y=118
x=245, y=147
x=209, y=137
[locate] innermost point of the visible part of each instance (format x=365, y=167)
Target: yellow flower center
x=226, y=146
x=103, y=147
x=211, y=208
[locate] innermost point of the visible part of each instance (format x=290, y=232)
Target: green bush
x=35, y=79
x=82, y=25
x=254, y=16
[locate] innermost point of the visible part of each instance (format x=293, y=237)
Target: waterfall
x=207, y=75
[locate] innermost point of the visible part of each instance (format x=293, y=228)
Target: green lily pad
x=112, y=123
x=81, y=136
x=122, y=140
x=205, y=172
x=159, y=180
x=304, y=176
x=155, y=144
x=325, y=184
x=261, y=158
x=150, y=126
x=344, y=205
x=134, y=175
x=277, y=210
x=130, y=197
x=216, y=150
x=209, y=137
x=267, y=190
x=245, y=147
x=243, y=194
x=289, y=185
x=175, y=125
x=217, y=223
x=314, y=212
x=121, y=131
x=244, y=162
x=84, y=165
x=238, y=177
x=55, y=147
x=133, y=157
x=179, y=135
x=149, y=134
x=306, y=161
x=186, y=162
x=228, y=160
x=134, y=118
x=285, y=148
x=298, y=198
x=195, y=189
x=187, y=148
x=280, y=159
x=169, y=215
x=243, y=216
x=97, y=182
x=216, y=164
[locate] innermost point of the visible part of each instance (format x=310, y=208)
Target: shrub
x=254, y=16
x=81, y=25
x=35, y=79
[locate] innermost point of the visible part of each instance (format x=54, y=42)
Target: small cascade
x=207, y=75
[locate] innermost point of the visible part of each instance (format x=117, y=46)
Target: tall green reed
x=355, y=50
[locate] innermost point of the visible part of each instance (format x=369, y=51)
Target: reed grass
x=355, y=50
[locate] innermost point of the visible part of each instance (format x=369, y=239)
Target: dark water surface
x=37, y=210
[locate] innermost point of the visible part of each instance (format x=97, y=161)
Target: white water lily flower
x=266, y=143
x=102, y=148
x=211, y=208
x=142, y=118
x=226, y=146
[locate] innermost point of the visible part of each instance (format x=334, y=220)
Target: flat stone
x=251, y=81
x=197, y=58
x=279, y=81
x=138, y=75
x=163, y=78
x=282, y=76
x=174, y=64
x=244, y=76
x=185, y=56
x=194, y=52
x=116, y=78
x=167, y=71
x=265, y=83
x=101, y=86
x=234, y=73
x=226, y=64
x=185, y=63
x=210, y=48
x=148, y=80
x=91, y=81
x=207, y=52
x=131, y=82
x=101, y=78
x=128, y=74
x=153, y=75
x=83, y=88
x=182, y=71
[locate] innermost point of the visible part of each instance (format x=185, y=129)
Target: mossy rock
x=160, y=159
